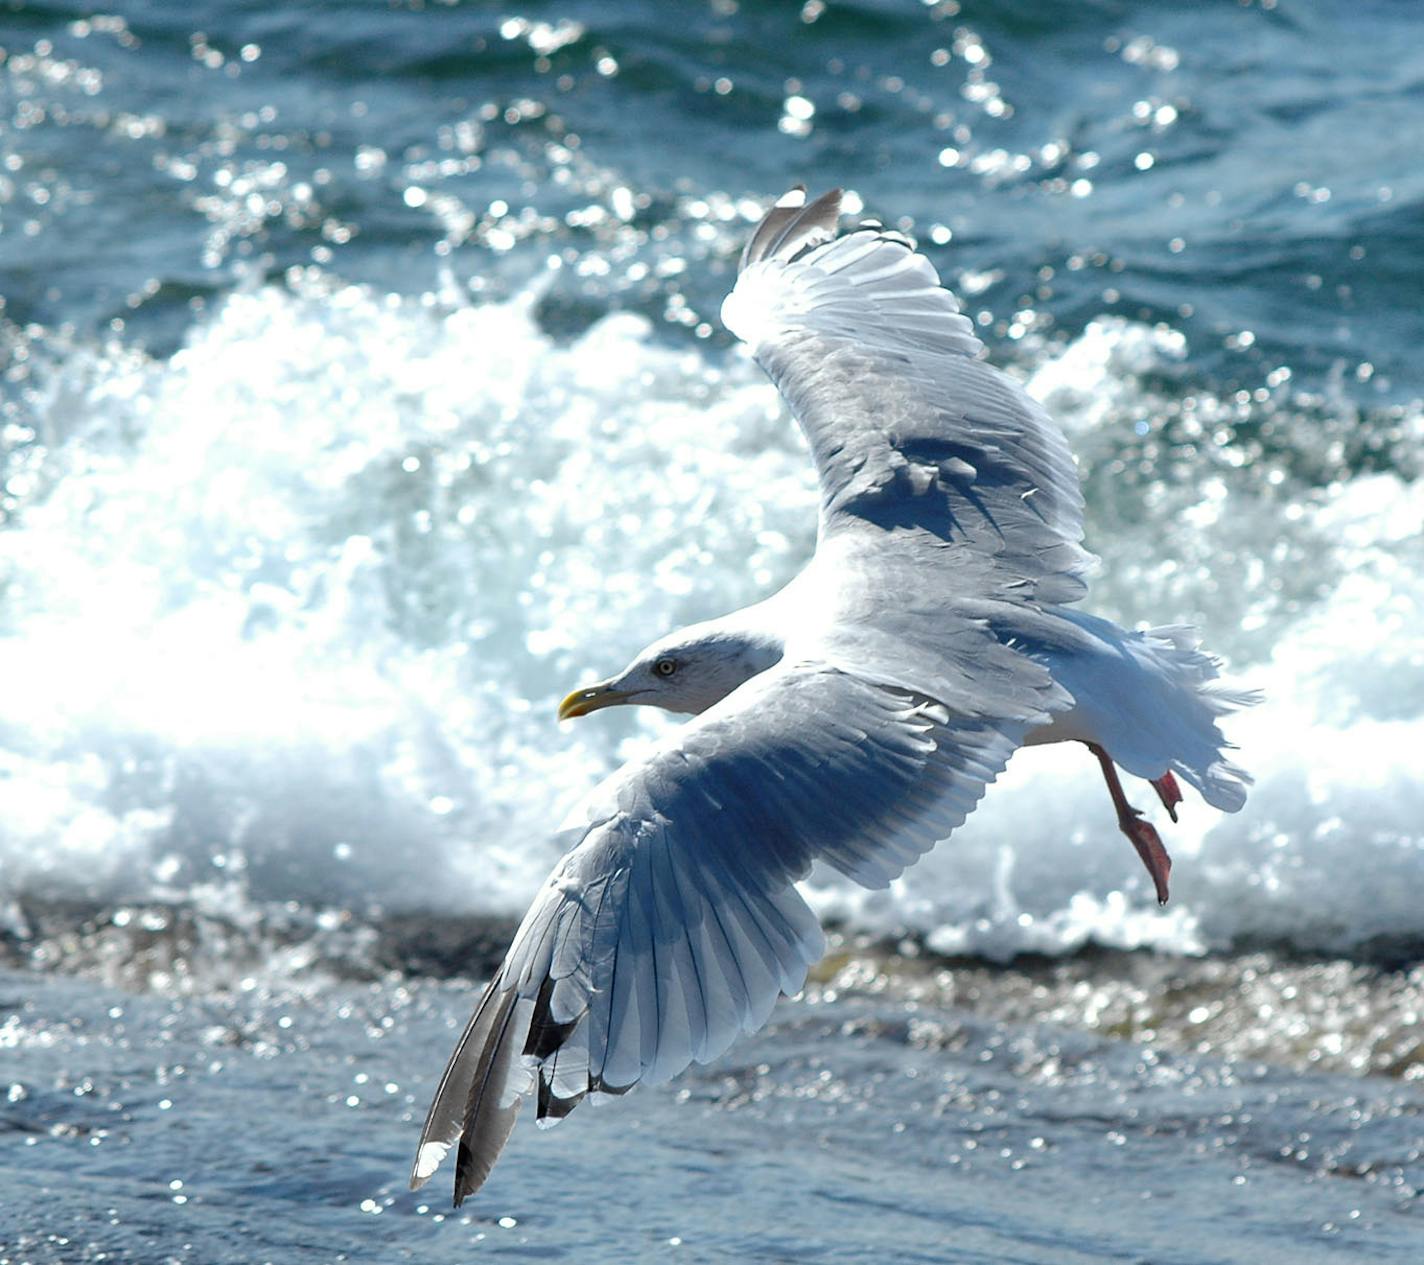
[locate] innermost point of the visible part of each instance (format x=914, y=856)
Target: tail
x=1200, y=698
x=1152, y=700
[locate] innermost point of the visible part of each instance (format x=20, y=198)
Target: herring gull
x=853, y=718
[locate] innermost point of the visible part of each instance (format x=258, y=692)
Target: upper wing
x=907, y=429
x=673, y=922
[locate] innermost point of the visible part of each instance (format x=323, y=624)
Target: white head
x=686, y=671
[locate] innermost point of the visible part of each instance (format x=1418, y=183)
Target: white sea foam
x=300, y=602
x=287, y=615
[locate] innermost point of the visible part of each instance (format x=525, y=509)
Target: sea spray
x=290, y=610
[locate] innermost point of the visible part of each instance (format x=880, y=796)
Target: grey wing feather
x=792, y=225
x=470, y=1104
x=909, y=432
x=673, y=924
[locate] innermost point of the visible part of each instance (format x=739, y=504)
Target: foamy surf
x=287, y=615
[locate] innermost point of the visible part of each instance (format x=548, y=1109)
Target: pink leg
x=1168, y=792
x=1140, y=833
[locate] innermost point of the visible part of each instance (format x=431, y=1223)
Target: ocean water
x=362, y=392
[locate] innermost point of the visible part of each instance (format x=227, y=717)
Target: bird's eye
x=665, y=667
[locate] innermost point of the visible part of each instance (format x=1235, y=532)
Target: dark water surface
x=1224, y=167
x=277, y=1126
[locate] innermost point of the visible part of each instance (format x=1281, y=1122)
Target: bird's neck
x=747, y=642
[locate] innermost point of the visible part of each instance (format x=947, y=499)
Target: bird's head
x=686, y=671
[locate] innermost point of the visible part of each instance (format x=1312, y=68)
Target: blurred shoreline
x=902, y=1109
x=1273, y=1005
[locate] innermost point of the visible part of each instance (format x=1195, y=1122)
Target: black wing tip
x=551, y=1106
x=480, y=1149
x=793, y=224
x=470, y=1175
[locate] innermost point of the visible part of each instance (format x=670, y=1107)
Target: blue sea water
x=362, y=390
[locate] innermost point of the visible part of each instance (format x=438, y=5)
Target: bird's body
x=855, y=717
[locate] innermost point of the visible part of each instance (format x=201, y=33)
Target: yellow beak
x=592, y=699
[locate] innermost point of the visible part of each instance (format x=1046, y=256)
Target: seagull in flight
x=854, y=718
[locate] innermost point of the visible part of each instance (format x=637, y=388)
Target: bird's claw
x=1169, y=793
x=1144, y=837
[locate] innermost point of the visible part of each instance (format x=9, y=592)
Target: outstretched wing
x=673, y=923
x=908, y=430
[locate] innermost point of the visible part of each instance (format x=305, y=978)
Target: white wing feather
x=673, y=923
x=909, y=432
